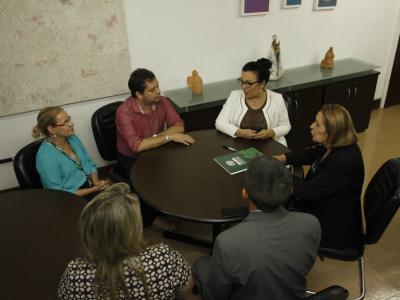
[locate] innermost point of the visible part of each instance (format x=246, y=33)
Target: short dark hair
x=138, y=79
x=260, y=68
x=268, y=183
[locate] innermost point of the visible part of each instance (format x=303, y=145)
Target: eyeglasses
x=153, y=90
x=246, y=83
x=66, y=122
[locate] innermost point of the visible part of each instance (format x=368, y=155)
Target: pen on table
x=229, y=148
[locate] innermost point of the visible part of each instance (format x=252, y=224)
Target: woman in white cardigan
x=254, y=112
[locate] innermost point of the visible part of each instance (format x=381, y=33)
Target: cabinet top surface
x=293, y=79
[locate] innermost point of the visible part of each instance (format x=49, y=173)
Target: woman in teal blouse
x=62, y=161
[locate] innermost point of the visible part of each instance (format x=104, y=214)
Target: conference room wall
x=175, y=36
x=15, y=132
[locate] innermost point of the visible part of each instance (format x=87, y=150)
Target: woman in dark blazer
x=331, y=190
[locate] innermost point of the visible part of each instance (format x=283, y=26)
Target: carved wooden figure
x=195, y=83
x=327, y=62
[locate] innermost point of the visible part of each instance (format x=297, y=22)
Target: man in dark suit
x=268, y=255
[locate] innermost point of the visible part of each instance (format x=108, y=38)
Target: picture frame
x=324, y=4
x=291, y=3
x=254, y=7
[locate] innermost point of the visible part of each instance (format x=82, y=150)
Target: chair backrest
x=382, y=199
x=104, y=130
x=24, y=164
x=291, y=106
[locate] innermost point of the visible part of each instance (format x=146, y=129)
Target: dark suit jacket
x=331, y=191
x=266, y=256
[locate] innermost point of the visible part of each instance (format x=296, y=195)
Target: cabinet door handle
x=348, y=94
x=355, y=92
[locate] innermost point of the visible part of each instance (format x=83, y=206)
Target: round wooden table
x=186, y=183
x=39, y=236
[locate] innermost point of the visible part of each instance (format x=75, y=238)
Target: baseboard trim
x=10, y=189
x=376, y=104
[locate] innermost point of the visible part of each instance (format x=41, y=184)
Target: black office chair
x=24, y=164
x=291, y=106
x=381, y=201
x=334, y=292
x=104, y=131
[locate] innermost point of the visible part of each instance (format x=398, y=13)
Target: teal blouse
x=58, y=171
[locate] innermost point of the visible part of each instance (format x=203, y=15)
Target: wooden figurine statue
x=195, y=83
x=274, y=55
x=327, y=62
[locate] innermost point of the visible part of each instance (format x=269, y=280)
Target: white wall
x=175, y=36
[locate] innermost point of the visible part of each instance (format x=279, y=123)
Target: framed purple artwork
x=254, y=7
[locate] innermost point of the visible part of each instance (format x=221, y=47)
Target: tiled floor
x=378, y=143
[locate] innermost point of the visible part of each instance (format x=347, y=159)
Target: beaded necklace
x=74, y=158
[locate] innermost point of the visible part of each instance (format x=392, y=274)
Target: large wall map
x=55, y=52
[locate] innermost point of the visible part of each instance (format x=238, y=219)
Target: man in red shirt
x=145, y=120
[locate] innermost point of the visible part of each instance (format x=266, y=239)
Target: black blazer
x=331, y=191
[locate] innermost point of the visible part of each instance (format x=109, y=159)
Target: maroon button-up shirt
x=134, y=125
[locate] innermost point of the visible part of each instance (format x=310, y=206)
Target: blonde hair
x=46, y=117
x=112, y=232
x=339, y=125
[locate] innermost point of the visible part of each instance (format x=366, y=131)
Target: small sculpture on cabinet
x=327, y=62
x=274, y=55
x=195, y=83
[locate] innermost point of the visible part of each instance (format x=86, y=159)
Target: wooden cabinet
x=308, y=104
x=351, y=83
x=200, y=119
x=356, y=95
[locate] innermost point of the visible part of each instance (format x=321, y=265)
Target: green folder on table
x=237, y=162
